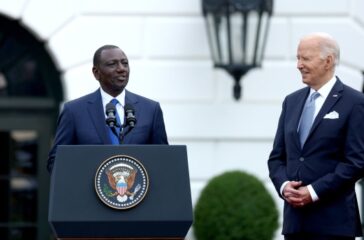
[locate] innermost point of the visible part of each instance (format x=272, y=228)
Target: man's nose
x=120, y=67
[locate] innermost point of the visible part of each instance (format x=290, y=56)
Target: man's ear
x=95, y=71
x=330, y=62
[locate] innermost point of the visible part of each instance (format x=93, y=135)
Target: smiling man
x=318, y=151
x=83, y=120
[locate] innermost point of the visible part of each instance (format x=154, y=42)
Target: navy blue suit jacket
x=331, y=160
x=82, y=121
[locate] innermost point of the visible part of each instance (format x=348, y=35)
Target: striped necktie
x=114, y=132
x=307, y=117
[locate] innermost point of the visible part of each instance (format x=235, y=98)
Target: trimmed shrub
x=236, y=206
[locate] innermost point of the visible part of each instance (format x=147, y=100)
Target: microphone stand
x=111, y=122
x=126, y=129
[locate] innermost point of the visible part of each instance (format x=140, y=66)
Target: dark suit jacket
x=82, y=121
x=331, y=160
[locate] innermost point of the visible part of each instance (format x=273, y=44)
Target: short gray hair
x=328, y=46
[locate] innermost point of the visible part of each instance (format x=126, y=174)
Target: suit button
x=302, y=159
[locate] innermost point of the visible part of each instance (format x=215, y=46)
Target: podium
x=78, y=211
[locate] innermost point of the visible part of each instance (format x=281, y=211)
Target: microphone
x=110, y=113
x=130, y=121
x=129, y=115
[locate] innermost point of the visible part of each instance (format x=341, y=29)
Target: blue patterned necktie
x=307, y=117
x=114, y=136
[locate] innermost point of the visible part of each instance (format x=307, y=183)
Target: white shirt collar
x=326, y=88
x=106, y=98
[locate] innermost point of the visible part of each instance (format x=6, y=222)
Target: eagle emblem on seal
x=121, y=182
x=121, y=179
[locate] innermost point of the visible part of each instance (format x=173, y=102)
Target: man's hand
x=296, y=194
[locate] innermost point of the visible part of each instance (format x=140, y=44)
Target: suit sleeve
x=350, y=169
x=277, y=158
x=159, y=135
x=64, y=134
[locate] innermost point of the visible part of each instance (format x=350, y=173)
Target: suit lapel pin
x=335, y=95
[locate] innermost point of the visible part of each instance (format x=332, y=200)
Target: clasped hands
x=296, y=194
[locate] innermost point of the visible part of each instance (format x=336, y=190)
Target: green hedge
x=235, y=205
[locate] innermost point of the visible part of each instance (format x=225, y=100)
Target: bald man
x=318, y=150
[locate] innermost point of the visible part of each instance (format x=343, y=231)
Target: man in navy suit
x=316, y=177
x=83, y=120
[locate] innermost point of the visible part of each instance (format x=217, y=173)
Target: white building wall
x=170, y=62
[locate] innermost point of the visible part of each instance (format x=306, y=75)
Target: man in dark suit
x=83, y=120
x=315, y=173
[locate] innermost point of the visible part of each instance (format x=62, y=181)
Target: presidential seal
x=121, y=182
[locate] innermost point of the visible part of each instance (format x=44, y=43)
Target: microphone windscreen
x=129, y=108
x=110, y=108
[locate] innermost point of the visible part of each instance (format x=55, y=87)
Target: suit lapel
x=97, y=116
x=332, y=98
